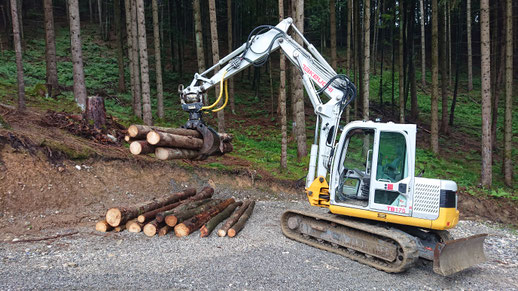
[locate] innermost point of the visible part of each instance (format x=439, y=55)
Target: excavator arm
x=318, y=78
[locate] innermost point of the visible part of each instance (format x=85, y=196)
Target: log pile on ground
x=173, y=143
x=180, y=213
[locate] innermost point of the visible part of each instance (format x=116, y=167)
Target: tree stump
x=95, y=111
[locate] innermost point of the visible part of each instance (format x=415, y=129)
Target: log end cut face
x=113, y=217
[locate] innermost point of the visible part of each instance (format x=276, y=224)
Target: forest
x=446, y=66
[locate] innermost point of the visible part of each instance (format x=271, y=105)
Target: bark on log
x=180, y=208
x=164, y=230
x=205, y=193
x=158, y=138
x=178, y=217
x=134, y=226
x=141, y=131
x=140, y=147
x=152, y=214
x=95, y=111
x=171, y=154
x=152, y=227
x=103, y=226
x=116, y=216
x=233, y=219
x=236, y=228
x=211, y=224
x=188, y=226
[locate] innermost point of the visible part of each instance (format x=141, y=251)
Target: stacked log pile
x=180, y=213
x=171, y=143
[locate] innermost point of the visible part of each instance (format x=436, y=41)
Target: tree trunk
x=282, y=99
x=77, y=54
x=211, y=224
x=233, y=219
x=99, y=11
x=332, y=20
x=158, y=62
x=411, y=73
x=144, y=67
x=190, y=203
x=50, y=48
x=434, y=126
x=180, y=216
x=448, y=13
x=152, y=227
x=298, y=93
x=141, y=147
x=194, y=223
x=95, y=111
x=199, y=36
x=366, y=57
x=348, y=53
x=118, y=215
x=470, y=53
x=129, y=38
x=91, y=10
x=508, y=125
x=215, y=58
x=120, y=53
x=230, y=49
x=158, y=138
x=443, y=57
x=153, y=214
x=401, y=65
x=485, y=67
x=18, y=52
x=238, y=226
x=374, y=49
x=136, y=60
x=423, y=45
x=103, y=226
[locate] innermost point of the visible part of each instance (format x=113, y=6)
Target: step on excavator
x=380, y=213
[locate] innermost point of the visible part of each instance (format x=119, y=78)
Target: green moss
x=82, y=153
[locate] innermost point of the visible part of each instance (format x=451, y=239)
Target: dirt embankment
x=51, y=178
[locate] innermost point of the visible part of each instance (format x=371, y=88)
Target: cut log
x=174, y=219
x=236, y=228
x=192, y=224
x=159, y=138
x=128, y=138
x=205, y=193
x=175, y=153
x=211, y=224
x=233, y=219
x=103, y=226
x=152, y=214
x=134, y=226
x=95, y=111
x=182, y=207
x=140, y=131
x=152, y=227
x=140, y=147
x=164, y=230
x=119, y=228
x=118, y=215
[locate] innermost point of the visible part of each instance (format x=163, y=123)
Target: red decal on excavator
x=316, y=77
x=390, y=186
x=396, y=209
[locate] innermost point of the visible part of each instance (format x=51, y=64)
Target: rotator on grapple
x=381, y=214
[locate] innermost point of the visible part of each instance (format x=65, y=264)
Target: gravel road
x=259, y=258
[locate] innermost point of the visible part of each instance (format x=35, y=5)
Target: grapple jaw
x=456, y=255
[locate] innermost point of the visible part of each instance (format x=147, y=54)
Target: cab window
x=392, y=163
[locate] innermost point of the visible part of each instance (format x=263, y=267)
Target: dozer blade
x=456, y=255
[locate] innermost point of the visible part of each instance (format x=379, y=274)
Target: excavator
x=380, y=213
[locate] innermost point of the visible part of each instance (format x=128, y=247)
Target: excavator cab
x=373, y=168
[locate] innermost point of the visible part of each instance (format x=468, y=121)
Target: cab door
x=392, y=177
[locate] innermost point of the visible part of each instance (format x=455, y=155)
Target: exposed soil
x=50, y=178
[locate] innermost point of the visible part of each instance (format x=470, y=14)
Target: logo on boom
x=316, y=77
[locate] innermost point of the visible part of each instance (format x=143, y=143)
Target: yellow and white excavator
x=380, y=213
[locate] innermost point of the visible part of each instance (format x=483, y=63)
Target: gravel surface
x=258, y=258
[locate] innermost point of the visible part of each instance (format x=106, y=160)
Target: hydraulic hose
x=220, y=94
x=226, y=97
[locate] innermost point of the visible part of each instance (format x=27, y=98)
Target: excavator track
x=387, y=249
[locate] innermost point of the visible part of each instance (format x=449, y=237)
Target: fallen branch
x=211, y=224
x=236, y=228
x=43, y=238
x=233, y=219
